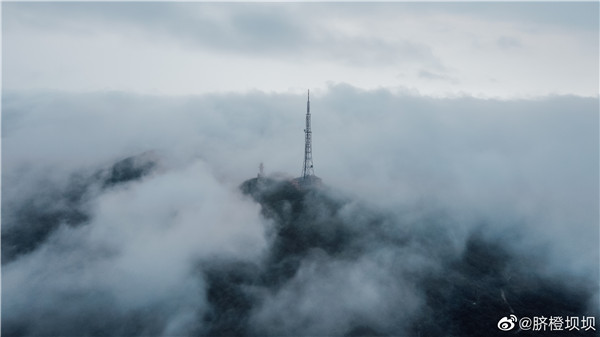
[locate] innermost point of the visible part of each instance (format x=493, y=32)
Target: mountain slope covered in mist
x=460, y=290
x=334, y=266
x=438, y=217
x=37, y=217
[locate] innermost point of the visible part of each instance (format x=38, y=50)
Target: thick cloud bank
x=124, y=215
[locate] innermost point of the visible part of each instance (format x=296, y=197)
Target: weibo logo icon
x=507, y=323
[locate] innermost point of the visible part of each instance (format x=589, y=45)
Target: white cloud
x=212, y=90
x=196, y=48
x=524, y=170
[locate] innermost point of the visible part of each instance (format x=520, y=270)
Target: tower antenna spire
x=307, y=169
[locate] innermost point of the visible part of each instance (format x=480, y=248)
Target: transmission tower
x=307, y=169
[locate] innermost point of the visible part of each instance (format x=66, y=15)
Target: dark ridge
x=231, y=302
x=307, y=218
x=29, y=225
x=476, y=288
x=129, y=169
x=487, y=283
x=465, y=295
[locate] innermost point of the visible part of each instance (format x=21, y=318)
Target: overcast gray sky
x=502, y=50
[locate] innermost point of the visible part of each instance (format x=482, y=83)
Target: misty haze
x=164, y=175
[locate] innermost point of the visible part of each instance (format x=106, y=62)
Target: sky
x=437, y=49
x=457, y=142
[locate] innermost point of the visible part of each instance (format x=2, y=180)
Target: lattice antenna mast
x=308, y=169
